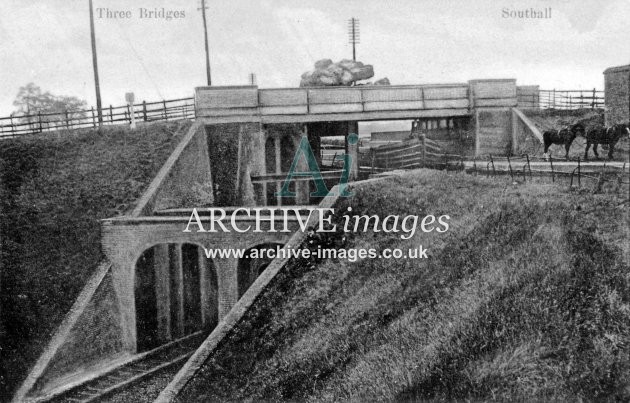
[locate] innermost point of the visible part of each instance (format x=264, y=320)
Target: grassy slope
x=54, y=189
x=527, y=295
x=550, y=119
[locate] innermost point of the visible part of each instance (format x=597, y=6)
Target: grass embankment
x=53, y=190
x=554, y=119
x=527, y=296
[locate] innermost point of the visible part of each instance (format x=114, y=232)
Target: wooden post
x=165, y=112
x=373, y=158
x=39, y=120
x=93, y=118
x=594, y=95
x=95, y=67
x=67, y=120
x=12, y=126
x=144, y=110
x=423, y=139
x=554, y=99
x=111, y=113
x=205, y=38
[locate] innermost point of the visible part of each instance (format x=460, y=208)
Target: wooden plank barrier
x=414, y=153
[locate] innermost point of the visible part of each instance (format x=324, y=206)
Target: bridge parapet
x=288, y=105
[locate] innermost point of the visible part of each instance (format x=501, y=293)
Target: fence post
x=423, y=138
x=144, y=110
x=93, y=118
x=554, y=99
x=510, y=167
x=593, y=103
x=529, y=167
x=553, y=176
x=111, y=113
x=39, y=120
x=165, y=111
x=373, y=158
x=129, y=113
x=579, y=179
x=12, y=126
x=67, y=120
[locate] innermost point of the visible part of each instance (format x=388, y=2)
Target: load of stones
x=346, y=72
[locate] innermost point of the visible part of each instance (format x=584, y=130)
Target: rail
x=495, y=166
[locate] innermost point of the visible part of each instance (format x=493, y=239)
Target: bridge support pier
x=163, y=291
x=352, y=149
x=227, y=276
x=492, y=102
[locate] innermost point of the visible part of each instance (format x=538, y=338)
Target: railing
x=521, y=167
x=174, y=109
x=571, y=99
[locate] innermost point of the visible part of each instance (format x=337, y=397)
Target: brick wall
x=617, y=94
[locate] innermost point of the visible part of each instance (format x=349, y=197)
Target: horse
x=603, y=135
x=562, y=136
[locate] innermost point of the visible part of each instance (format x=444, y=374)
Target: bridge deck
x=359, y=103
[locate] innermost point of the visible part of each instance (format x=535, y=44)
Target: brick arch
x=248, y=269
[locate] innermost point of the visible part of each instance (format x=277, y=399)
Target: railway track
x=167, y=356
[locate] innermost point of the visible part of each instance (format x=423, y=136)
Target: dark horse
x=603, y=135
x=562, y=136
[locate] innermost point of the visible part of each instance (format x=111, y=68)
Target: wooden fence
x=570, y=99
x=416, y=153
x=174, y=109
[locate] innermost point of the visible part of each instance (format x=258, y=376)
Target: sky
x=47, y=42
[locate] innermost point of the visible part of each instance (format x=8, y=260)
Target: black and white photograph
x=314, y=201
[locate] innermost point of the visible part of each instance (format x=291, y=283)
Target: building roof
x=617, y=69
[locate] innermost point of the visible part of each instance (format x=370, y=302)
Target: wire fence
x=174, y=109
x=521, y=168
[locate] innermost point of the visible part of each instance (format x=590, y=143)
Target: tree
x=31, y=101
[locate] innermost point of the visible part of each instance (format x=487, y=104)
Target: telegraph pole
x=353, y=35
x=205, y=37
x=95, y=64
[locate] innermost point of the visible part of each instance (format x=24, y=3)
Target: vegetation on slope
x=526, y=296
x=53, y=190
